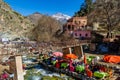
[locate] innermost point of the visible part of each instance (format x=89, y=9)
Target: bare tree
x=46, y=29
x=107, y=12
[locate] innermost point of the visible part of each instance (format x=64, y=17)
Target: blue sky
x=27, y=7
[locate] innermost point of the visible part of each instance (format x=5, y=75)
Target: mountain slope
x=12, y=24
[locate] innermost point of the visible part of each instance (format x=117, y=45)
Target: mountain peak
x=37, y=13
x=59, y=14
x=61, y=17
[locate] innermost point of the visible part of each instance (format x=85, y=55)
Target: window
x=68, y=27
x=86, y=34
x=82, y=26
x=80, y=35
x=75, y=34
x=75, y=22
x=84, y=21
x=72, y=27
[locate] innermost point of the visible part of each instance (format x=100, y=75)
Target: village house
x=77, y=27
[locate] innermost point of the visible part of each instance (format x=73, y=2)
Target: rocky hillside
x=12, y=24
x=35, y=26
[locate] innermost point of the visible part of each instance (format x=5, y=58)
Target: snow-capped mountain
x=61, y=17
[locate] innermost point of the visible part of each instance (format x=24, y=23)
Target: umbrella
x=71, y=56
x=58, y=54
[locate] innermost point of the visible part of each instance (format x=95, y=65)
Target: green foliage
x=86, y=8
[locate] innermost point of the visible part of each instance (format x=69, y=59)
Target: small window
x=86, y=35
x=82, y=26
x=75, y=34
x=72, y=27
x=84, y=21
x=68, y=27
x=75, y=22
x=80, y=35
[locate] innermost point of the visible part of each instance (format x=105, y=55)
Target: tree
x=85, y=9
x=89, y=6
x=46, y=29
x=107, y=12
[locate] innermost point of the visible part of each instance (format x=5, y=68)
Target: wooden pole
x=81, y=50
x=70, y=50
x=16, y=68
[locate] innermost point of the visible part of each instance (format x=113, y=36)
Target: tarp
x=111, y=59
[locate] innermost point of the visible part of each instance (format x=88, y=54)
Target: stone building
x=75, y=23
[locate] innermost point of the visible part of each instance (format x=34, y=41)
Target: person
x=24, y=66
x=0, y=77
x=102, y=68
x=89, y=73
x=71, y=67
x=4, y=75
x=41, y=56
x=57, y=64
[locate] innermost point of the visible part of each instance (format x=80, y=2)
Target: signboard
x=77, y=50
